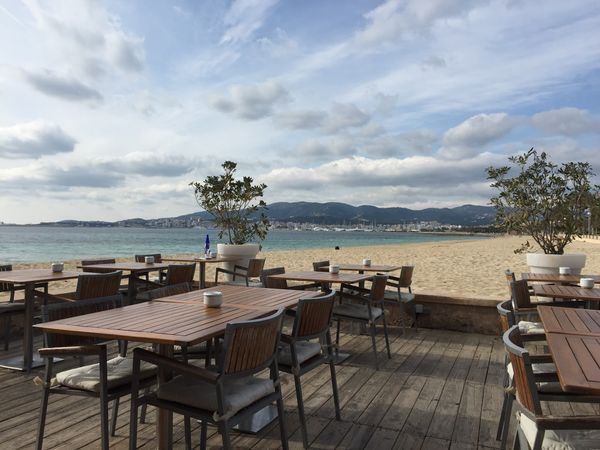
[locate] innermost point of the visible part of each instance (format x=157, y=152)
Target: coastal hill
x=323, y=214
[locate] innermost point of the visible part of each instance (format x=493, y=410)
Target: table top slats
x=557, y=278
x=371, y=268
x=25, y=276
x=323, y=277
x=566, y=292
x=570, y=320
x=126, y=266
x=201, y=260
x=577, y=360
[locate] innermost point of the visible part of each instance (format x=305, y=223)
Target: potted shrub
x=548, y=203
x=234, y=204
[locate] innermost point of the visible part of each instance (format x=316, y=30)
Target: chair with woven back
x=321, y=266
x=530, y=332
x=226, y=395
x=107, y=380
x=537, y=430
x=277, y=283
x=93, y=262
x=89, y=285
x=157, y=259
x=248, y=275
x=402, y=295
x=9, y=308
x=367, y=308
x=299, y=353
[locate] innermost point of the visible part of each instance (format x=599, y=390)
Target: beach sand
x=473, y=269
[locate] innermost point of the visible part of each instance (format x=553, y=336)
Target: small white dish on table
x=564, y=270
x=149, y=259
x=58, y=267
x=587, y=283
x=213, y=299
x=366, y=262
x=334, y=268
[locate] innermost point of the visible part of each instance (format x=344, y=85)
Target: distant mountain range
x=325, y=214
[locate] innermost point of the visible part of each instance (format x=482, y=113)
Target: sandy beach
x=473, y=269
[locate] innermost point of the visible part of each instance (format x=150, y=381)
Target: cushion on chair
x=304, y=351
x=405, y=297
x=526, y=327
x=354, y=311
x=560, y=439
x=238, y=393
x=119, y=370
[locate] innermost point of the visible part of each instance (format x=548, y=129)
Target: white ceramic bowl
x=58, y=267
x=334, y=268
x=366, y=262
x=213, y=299
x=587, y=283
x=564, y=270
x=149, y=259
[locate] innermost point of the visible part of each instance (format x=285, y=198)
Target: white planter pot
x=243, y=253
x=541, y=263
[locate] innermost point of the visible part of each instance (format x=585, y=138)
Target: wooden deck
x=440, y=390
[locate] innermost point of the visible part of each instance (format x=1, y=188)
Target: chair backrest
x=96, y=285
x=319, y=266
x=65, y=310
x=507, y=317
x=255, y=267
x=520, y=295
x=313, y=316
x=527, y=393
x=180, y=273
x=250, y=346
x=91, y=262
x=142, y=258
x=165, y=291
x=5, y=287
x=273, y=283
x=378, y=285
x=406, y=274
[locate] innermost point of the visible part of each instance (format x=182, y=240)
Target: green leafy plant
x=233, y=203
x=547, y=202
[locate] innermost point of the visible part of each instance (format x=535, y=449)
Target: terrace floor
x=440, y=390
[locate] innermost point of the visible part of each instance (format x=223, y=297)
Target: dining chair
x=157, y=259
x=108, y=379
x=367, y=310
x=89, y=285
x=402, y=295
x=10, y=308
x=180, y=273
x=321, y=266
x=530, y=332
x=299, y=353
x=250, y=274
x=537, y=430
x=278, y=283
x=523, y=306
x=223, y=396
x=93, y=262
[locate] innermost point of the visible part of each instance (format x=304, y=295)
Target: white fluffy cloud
x=568, y=121
x=251, y=102
x=66, y=88
x=244, y=17
x=34, y=140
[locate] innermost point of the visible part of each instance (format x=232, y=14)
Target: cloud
x=244, y=17
x=297, y=120
x=345, y=115
x=61, y=87
x=567, y=121
x=82, y=176
x=151, y=164
x=34, y=140
x=394, y=19
x=433, y=62
x=251, y=102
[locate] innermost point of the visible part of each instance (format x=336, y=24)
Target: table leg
x=164, y=418
x=202, y=274
x=131, y=290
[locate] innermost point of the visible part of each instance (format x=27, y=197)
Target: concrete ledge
x=469, y=315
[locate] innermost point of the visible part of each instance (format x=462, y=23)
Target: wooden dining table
x=135, y=269
x=29, y=278
x=323, y=277
x=566, y=292
x=178, y=320
x=202, y=262
x=573, y=337
x=557, y=278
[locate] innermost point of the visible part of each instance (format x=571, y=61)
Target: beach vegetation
x=548, y=202
x=235, y=204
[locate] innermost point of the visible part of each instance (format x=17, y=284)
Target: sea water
x=24, y=244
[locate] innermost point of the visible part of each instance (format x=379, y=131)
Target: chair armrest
x=80, y=350
x=533, y=337
x=66, y=297
x=545, y=377
x=175, y=365
x=236, y=267
x=354, y=288
x=571, y=422
x=302, y=287
x=230, y=272
x=286, y=338
x=344, y=295
x=537, y=359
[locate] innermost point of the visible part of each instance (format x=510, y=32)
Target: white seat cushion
x=405, y=297
x=197, y=393
x=526, y=327
x=304, y=351
x=119, y=372
x=355, y=311
x=560, y=439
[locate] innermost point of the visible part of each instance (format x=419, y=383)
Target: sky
x=108, y=110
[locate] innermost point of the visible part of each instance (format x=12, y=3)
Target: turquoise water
x=41, y=244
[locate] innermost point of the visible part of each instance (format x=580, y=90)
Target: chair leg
x=301, y=411
x=506, y=426
x=374, y=344
x=115, y=413
x=334, y=387
x=144, y=407
x=281, y=418
x=402, y=318
x=337, y=337
x=187, y=427
x=104, y=420
x=500, y=429
x=539, y=438
x=6, y=332
x=44, y=407
x=203, y=435
x=224, y=430
x=385, y=334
